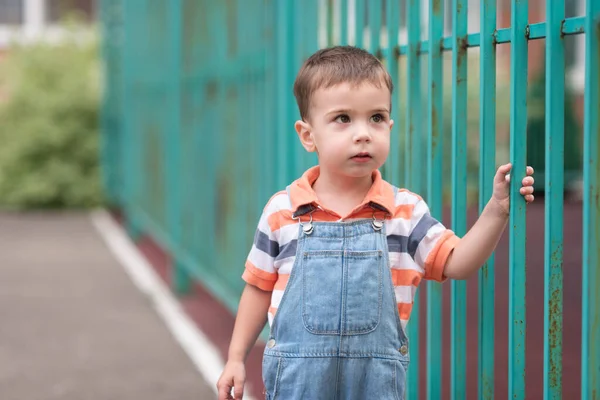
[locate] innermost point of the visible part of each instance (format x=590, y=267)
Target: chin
x=360, y=172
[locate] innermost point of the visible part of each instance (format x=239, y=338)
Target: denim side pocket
x=400, y=380
x=271, y=372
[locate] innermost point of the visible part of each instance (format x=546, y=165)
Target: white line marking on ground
x=197, y=346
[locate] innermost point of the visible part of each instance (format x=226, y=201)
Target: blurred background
x=177, y=117
x=34, y=32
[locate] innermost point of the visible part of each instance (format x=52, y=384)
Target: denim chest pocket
x=342, y=291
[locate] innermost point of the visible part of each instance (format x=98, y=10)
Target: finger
x=529, y=170
x=528, y=181
x=501, y=173
x=504, y=169
x=224, y=391
x=238, y=388
x=529, y=198
x=526, y=190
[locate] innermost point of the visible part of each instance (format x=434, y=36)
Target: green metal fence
x=198, y=133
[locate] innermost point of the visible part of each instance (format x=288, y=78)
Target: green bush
x=49, y=134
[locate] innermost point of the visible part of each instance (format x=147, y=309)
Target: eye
x=377, y=118
x=343, y=118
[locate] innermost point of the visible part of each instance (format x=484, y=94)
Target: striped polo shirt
x=418, y=244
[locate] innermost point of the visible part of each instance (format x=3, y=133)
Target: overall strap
x=303, y=209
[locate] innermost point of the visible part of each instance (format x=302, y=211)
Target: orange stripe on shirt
x=261, y=273
x=254, y=280
x=282, y=281
x=404, y=309
x=404, y=211
x=437, y=257
x=282, y=218
x=279, y=219
x=405, y=277
x=272, y=310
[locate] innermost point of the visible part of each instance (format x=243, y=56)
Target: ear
x=304, y=131
x=391, y=124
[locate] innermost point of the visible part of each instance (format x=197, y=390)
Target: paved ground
x=73, y=326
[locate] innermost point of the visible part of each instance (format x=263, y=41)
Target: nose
x=362, y=134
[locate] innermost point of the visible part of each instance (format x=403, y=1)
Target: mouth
x=362, y=156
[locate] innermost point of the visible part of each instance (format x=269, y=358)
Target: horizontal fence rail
x=197, y=125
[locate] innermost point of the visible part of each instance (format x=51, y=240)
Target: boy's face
x=349, y=128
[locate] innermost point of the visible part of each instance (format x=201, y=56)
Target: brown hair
x=335, y=65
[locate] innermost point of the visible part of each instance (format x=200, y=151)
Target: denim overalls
x=337, y=333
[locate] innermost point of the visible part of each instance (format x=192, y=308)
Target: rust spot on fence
x=555, y=335
x=435, y=127
x=461, y=53
x=437, y=7
x=211, y=90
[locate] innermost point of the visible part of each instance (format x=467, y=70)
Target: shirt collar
x=380, y=194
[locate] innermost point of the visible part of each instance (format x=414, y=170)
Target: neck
x=330, y=185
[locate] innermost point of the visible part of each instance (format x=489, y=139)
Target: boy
x=338, y=255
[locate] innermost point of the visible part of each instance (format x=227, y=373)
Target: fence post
x=180, y=277
x=554, y=174
x=458, y=316
x=412, y=153
x=435, y=187
x=590, y=348
x=487, y=167
x=518, y=151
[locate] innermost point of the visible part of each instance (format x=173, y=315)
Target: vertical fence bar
x=302, y=13
x=309, y=9
x=128, y=55
x=330, y=22
x=106, y=138
x=343, y=22
x=375, y=27
x=181, y=279
x=459, y=193
x=435, y=148
x=554, y=175
x=359, y=22
x=487, y=165
x=285, y=59
x=590, y=348
x=413, y=155
x=269, y=129
x=392, y=169
x=518, y=151
x=311, y=33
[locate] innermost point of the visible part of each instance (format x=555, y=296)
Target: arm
x=479, y=243
x=260, y=276
x=251, y=317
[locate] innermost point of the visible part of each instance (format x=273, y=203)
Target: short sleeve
x=430, y=243
x=260, y=270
